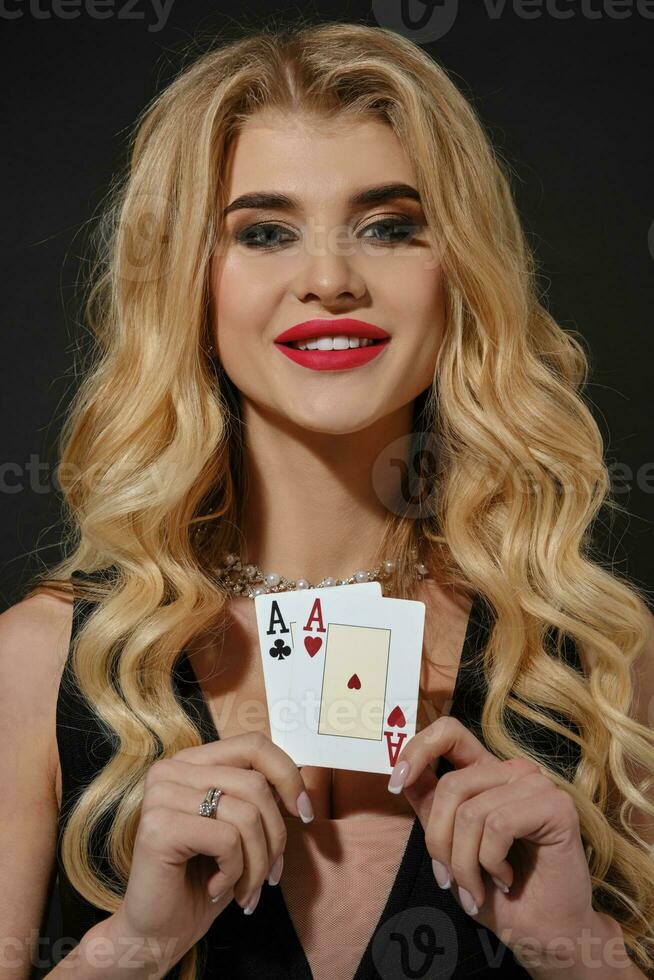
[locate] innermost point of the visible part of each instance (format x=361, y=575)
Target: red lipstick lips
x=332, y=360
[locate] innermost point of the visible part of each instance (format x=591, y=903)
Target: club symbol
x=279, y=650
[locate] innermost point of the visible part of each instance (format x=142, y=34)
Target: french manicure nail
x=441, y=874
x=252, y=902
x=276, y=870
x=468, y=901
x=398, y=776
x=304, y=807
x=500, y=884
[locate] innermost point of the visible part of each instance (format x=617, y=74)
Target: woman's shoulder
x=35, y=638
x=35, y=633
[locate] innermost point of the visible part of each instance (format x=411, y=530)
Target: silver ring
x=209, y=804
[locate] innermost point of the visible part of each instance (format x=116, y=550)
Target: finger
x=446, y=736
x=546, y=816
x=255, y=750
x=246, y=784
x=454, y=801
x=467, y=857
x=420, y=795
x=172, y=838
x=233, y=809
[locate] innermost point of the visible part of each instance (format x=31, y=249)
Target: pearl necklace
x=241, y=579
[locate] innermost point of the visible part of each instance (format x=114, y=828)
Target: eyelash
x=390, y=224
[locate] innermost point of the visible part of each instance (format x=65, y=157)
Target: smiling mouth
x=332, y=343
x=321, y=357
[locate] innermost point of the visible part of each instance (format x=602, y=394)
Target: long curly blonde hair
x=150, y=451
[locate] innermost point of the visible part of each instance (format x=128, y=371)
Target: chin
x=335, y=420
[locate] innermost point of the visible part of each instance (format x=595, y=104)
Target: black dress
x=422, y=931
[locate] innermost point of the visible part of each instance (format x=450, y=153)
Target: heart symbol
x=396, y=718
x=312, y=644
x=354, y=683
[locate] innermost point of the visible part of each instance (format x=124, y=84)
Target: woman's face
x=325, y=257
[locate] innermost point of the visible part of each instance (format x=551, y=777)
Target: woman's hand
x=486, y=810
x=182, y=859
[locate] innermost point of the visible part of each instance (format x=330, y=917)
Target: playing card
x=354, y=681
x=275, y=612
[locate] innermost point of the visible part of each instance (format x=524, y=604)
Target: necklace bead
x=248, y=580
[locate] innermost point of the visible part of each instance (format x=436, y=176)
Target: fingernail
x=468, y=901
x=304, y=807
x=252, y=902
x=500, y=884
x=276, y=871
x=399, y=774
x=441, y=874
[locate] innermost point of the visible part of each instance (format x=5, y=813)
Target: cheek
x=425, y=312
x=241, y=303
x=428, y=288
x=422, y=295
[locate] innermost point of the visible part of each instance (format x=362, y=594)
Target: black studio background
x=565, y=90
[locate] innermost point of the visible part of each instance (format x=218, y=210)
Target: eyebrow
x=284, y=202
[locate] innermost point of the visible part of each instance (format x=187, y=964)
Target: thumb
x=421, y=793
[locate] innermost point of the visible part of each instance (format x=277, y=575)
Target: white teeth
x=332, y=343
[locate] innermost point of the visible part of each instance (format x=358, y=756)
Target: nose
x=326, y=272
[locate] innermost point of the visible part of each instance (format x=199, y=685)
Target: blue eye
x=405, y=228
x=255, y=236
x=244, y=238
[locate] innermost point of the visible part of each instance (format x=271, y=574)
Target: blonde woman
x=333, y=180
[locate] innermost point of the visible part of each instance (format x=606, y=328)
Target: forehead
x=314, y=158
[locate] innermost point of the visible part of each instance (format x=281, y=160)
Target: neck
x=316, y=504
